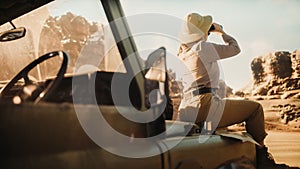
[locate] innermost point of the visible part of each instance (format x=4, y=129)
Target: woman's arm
x=231, y=48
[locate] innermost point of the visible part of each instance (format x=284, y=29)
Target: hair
x=183, y=47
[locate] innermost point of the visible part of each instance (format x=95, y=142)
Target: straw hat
x=194, y=27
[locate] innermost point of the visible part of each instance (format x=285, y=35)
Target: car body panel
x=191, y=152
x=48, y=135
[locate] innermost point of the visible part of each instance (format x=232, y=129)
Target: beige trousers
x=223, y=113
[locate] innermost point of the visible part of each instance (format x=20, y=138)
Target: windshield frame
x=19, y=8
x=125, y=44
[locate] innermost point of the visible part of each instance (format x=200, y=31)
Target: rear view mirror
x=12, y=34
x=156, y=63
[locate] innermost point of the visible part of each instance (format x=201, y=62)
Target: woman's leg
x=251, y=112
x=226, y=112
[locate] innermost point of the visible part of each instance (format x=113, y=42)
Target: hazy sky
x=260, y=27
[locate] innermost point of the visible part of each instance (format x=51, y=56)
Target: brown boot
x=266, y=161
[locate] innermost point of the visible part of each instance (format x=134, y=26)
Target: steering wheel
x=51, y=87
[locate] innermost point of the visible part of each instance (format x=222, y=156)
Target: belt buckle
x=189, y=95
x=195, y=92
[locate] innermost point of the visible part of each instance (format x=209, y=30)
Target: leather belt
x=197, y=92
x=203, y=91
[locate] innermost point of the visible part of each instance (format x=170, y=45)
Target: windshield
x=61, y=25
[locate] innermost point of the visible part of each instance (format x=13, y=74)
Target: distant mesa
x=276, y=84
x=274, y=74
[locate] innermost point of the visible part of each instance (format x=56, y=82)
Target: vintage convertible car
x=75, y=93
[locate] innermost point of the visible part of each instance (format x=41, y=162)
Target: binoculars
x=212, y=28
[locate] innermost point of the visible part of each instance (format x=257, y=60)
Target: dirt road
x=285, y=147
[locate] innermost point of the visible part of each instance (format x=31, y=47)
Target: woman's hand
x=218, y=29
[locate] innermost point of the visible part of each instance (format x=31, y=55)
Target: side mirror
x=12, y=34
x=156, y=64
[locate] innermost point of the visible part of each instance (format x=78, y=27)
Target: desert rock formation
x=274, y=74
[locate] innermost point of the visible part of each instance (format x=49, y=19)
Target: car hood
x=11, y=9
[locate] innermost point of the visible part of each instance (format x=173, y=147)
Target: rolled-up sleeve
x=231, y=48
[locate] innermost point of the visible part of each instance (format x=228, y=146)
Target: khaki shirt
x=201, y=59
